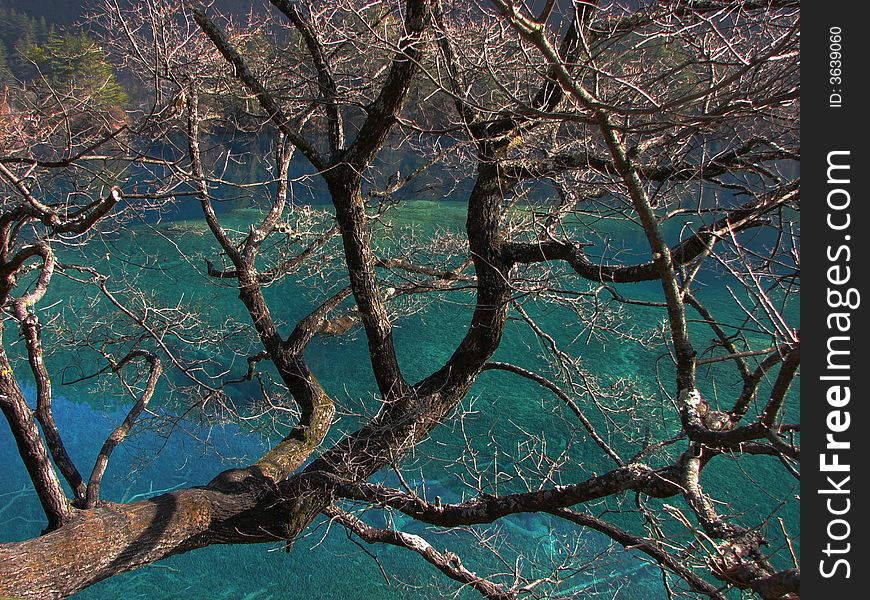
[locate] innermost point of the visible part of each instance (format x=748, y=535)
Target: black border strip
x=834, y=256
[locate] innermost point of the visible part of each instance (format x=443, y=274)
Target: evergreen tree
x=62, y=12
x=43, y=30
x=73, y=64
x=17, y=34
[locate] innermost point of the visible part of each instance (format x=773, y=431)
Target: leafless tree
x=597, y=146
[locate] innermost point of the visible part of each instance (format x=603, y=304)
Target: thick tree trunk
x=31, y=447
x=115, y=538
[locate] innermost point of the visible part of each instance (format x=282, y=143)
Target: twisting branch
x=244, y=74
x=657, y=483
x=31, y=330
x=31, y=447
x=77, y=221
x=446, y=562
x=200, y=181
x=120, y=432
x=784, y=378
x=644, y=117
x=384, y=110
x=661, y=253
x=325, y=79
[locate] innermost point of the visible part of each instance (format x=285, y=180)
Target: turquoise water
x=503, y=417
